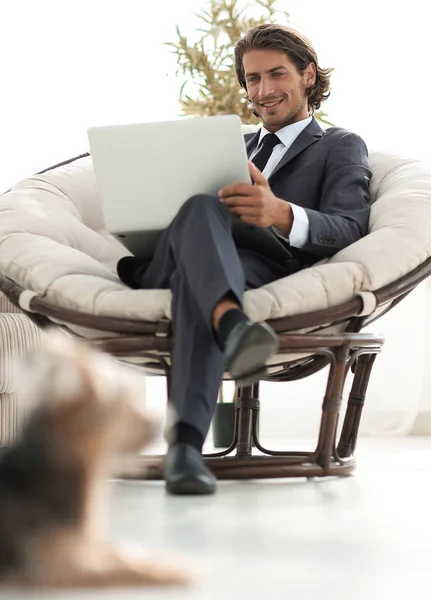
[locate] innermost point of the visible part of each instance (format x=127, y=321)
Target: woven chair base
x=330, y=458
x=254, y=467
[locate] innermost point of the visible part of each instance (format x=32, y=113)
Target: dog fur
x=85, y=415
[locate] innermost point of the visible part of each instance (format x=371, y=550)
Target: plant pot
x=223, y=424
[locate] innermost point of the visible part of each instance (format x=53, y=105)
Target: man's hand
x=256, y=204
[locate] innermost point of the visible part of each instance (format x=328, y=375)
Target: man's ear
x=310, y=75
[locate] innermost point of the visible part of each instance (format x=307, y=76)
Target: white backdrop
x=68, y=66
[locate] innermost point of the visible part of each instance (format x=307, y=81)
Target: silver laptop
x=145, y=172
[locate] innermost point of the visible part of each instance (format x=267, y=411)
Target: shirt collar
x=289, y=133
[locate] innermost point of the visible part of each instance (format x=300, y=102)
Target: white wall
x=66, y=66
x=423, y=422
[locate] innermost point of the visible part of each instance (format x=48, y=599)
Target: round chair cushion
x=53, y=242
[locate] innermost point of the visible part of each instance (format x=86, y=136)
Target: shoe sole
x=189, y=487
x=257, y=346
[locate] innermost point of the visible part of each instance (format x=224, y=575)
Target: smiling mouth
x=270, y=105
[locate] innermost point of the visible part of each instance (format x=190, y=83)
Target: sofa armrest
x=6, y=305
x=18, y=337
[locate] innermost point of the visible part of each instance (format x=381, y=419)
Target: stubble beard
x=291, y=116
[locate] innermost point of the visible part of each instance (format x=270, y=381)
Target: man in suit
x=309, y=199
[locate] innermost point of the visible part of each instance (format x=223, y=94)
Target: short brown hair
x=295, y=46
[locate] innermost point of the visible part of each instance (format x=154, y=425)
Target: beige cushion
x=52, y=241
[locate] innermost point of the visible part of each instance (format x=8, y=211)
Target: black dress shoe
x=248, y=347
x=186, y=473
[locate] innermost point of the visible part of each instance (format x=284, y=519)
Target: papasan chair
x=58, y=265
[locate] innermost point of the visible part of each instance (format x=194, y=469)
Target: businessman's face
x=275, y=87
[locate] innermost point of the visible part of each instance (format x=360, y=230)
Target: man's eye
x=278, y=74
x=252, y=79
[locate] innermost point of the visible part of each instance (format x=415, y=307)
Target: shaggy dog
x=85, y=419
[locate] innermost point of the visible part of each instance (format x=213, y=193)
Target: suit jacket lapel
x=308, y=136
x=252, y=142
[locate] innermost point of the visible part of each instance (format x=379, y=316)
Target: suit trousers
x=197, y=259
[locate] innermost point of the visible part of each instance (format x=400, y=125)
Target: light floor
x=366, y=536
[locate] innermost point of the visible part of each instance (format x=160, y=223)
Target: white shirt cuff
x=299, y=233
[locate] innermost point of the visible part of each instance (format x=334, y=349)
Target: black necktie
x=269, y=141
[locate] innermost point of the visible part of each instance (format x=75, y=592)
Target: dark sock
x=187, y=434
x=129, y=269
x=229, y=320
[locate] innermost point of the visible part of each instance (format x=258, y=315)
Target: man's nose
x=266, y=87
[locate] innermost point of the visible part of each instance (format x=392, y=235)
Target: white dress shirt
x=298, y=236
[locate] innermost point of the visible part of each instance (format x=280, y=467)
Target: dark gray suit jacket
x=327, y=173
